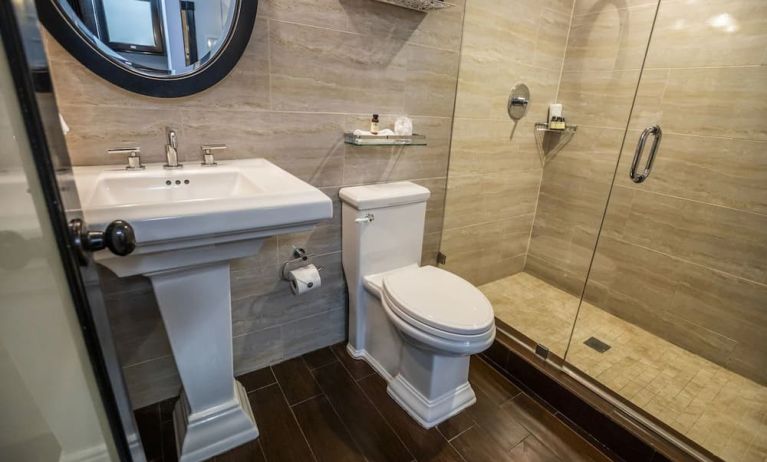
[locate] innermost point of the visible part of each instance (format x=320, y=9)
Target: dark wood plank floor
x=328, y=407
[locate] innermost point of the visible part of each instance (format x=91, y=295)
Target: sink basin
x=189, y=224
x=236, y=196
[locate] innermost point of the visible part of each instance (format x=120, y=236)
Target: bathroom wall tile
x=725, y=239
x=598, y=98
x=590, y=157
x=430, y=81
x=482, y=146
x=309, y=146
x=329, y=14
x=730, y=306
x=441, y=28
x=435, y=207
x=256, y=350
x=707, y=102
x=719, y=171
x=280, y=306
x=324, y=70
x=488, y=251
x=492, y=197
x=748, y=360
x=483, y=92
x=309, y=334
x=551, y=40
x=95, y=130
x=428, y=161
x=712, y=33
x=152, y=381
x=137, y=328
x=567, y=225
x=610, y=39
x=380, y=21
x=255, y=275
x=596, y=6
x=573, y=195
x=555, y=275
x=631, y=282
x=431, y=246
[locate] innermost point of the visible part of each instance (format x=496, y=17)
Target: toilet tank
x=394, y=235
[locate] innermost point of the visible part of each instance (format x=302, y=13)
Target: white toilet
x=415, y=325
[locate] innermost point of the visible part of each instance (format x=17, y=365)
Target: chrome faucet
x=171, y=150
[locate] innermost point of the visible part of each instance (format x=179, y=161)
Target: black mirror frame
x=70, y=37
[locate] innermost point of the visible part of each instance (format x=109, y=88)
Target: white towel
x=384, y=132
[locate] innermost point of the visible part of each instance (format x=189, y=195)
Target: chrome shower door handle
x=656, y=131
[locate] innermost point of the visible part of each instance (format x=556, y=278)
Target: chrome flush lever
x=369, y=217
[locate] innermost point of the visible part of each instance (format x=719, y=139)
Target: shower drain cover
x=597, y=344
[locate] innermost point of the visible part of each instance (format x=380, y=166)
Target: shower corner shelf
x=550, y=141
x=419, y=5
x=378, y=140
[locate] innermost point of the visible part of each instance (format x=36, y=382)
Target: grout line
x=335, y=411
x=564, y=55
x=295, y=419
x=475, y=424
x=403, y=40
x=689, y=262
x=306, y=399
x=697, y=201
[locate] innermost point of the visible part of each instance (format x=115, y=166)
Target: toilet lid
x=439, y=299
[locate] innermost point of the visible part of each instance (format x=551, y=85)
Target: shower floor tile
x=720, y=410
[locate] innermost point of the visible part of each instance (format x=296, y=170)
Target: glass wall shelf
x=420, y=5
x=390, y=140
x=550, y=141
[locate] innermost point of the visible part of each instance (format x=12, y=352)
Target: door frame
x=34, y=91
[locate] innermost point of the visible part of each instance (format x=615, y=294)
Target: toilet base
x=431, y=394
x=426, y=412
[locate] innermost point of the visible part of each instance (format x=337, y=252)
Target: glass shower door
x=674, y=312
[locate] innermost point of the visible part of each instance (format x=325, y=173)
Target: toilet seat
x=438, y=302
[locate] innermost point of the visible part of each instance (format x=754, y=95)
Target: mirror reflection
x=155, y=37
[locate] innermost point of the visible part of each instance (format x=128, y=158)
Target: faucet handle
x=207, y=153
x=134, y=157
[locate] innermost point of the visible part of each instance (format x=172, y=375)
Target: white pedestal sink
x=189, y=223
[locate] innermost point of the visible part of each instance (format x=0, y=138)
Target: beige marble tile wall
x=494, y=177
x=602, y=64
x=684, y=255
x=313, y=69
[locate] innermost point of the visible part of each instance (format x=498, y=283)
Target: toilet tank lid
x=384, y=195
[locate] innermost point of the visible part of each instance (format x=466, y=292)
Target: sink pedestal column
x=213, y=414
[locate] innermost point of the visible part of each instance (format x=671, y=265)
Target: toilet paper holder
x=299, y=260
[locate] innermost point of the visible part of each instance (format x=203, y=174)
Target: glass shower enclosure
x=638, y=251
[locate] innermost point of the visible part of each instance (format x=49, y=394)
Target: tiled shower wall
x=495, y=171
x=313, y=69
x=683, y=254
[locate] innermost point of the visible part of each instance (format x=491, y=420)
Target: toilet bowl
x=415, y=325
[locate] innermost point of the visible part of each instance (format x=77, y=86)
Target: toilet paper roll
x=304, y=279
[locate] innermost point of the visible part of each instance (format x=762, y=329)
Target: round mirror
x=162, y=48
